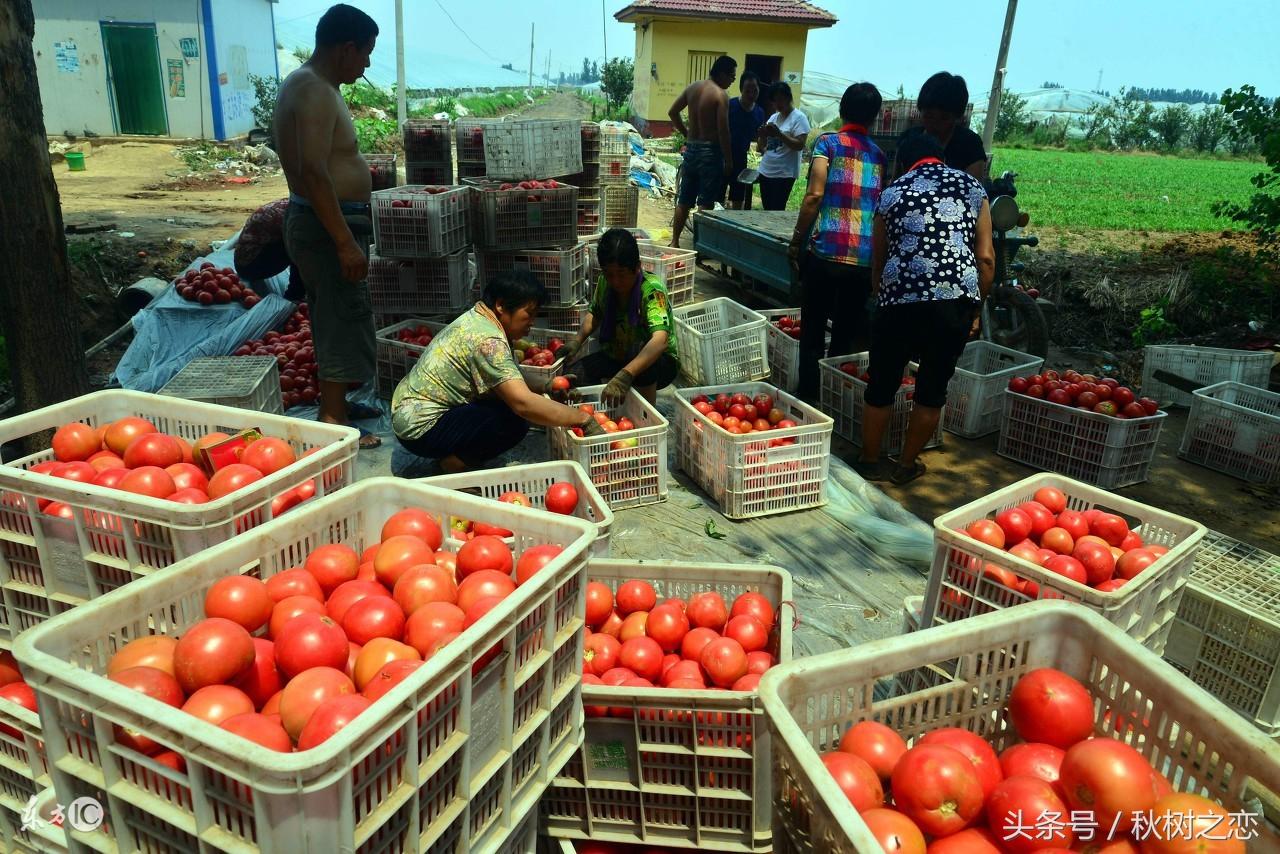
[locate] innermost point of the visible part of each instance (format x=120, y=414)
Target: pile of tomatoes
x=295, y=355
x=289, y=662
x=561, y=497
x=14, y=688
x=408, y=204
x=789, y=326
x=738, y=413
x=211, y=285
x=702, y=644
x=1104, y=396
x=621, y=425
x=418, y=336
x=529, y=353
x=1091, y=547
x=1062, y=786
x=130, y=455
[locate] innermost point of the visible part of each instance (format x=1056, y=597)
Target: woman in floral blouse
x=932, y=265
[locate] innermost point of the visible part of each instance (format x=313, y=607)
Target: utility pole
x=530, y=55
x=402, y=100
x=997, y=84
x=604, y=28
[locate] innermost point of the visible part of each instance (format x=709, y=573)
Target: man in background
x=708, y=156
x=329, y=186
x=745, y=118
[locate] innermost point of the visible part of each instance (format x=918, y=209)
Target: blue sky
x=1176, y=43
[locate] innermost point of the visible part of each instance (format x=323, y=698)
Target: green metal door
x=133, y=75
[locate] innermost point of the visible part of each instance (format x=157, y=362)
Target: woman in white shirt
x=780, y=140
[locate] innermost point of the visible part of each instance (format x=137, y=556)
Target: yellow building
x=677, y=40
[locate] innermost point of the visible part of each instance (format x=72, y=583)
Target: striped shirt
x=855, y=167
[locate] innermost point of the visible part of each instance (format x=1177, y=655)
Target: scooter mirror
x=1004, y=213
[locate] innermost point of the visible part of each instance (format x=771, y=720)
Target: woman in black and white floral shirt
x=932, y=264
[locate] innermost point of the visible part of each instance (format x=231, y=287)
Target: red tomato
x=1110, y=527
x=534, y=559
x=1041, y=519
x=937, y=788
x=600, y=653
x=1067, y=567
x=397, y=554
x=391, y=675
x=561, y=498
x=856, y=780
x=149, y=481
x=268, y=455
x=753, y=605
x=985, y=762
x=1032, y=760
x=347, y=594
x=419, y=585
x=896, y=833
x=235, y=476
x=155, y=684
x=260, y=729
x=309, y=641
x=150, y=651
x=212, y=652
x=986, y=531
x=376, y=654
x=684, y=670
x=667, y=624
x=1191, y=824
x=373, y=617
x=308, y=690
x=972, y=840
x=187, y=476
x=1096, y=559
x=612, y=624
x=1050, y=707
x=216, y=703
x=599, y=603
x=1074, y=523
x=616, y=676
x=242, y=599
x=759, y=661
x=1110, y=778
x=1016, y=524
x=1053, y=499
x=1018, y=810
x=294, y=582
x=332, y=564
x=1058, y=540
x=152, y=449
x=708, y=611
x=188, y=496
x=876, y=744
x=1133, y=562
x=415, y=523
x=750, y=682
x=482, y=585
x=748, y=631
x=10, y=672
x=330, y=717
x=119, y=434
x=634, y=626
x=106, y=460
x=593, y=711
x=21, y=694
x=643, y=657
x=725, y=661
x=483, y=554
x=75, y=441
x=262, y=679
x=286, y=610
x=695, y=642
x=432, y=622
x=635, y=596
x=78, y=471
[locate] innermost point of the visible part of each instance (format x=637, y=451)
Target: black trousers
x=474, y=432
x=774, y=193
x=599, y=368
x=835, y=292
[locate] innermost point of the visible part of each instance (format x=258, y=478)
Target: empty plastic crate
x=419, y=285
x=1088, y=446
x=562, y=317
x=1204, y=365
x=758, y=473
x=244, y=382
x=621, y=206
x=683, y=768
x=523, y=219
x=409, y=222
x=675, y=267
x=531, y=148
x=450, y=759
x=1235, y=429
x=562, y=272
x=1188, y=736
x=395, y=358
x=959, y=586
x=721, y=342
x=975, y=396
x=841, y=396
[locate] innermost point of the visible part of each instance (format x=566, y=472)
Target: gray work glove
x=569, y=351
x=616, y=391
x=591, y=428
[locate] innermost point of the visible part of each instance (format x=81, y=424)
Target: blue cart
x=755, y=244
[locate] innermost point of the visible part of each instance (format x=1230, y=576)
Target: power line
x=464, y=32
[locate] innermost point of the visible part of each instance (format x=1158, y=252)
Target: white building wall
x=244, y=45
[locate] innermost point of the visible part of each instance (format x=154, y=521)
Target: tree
x=38, y=306
x=1256, y=119
x=265, y=90
x=1131, y=121
x=586, y=71
x=1013, y=118
x=595, y=71
x=1171, y=125
x=1208, y=129
x=619, y=75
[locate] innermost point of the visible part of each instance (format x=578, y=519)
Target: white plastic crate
x=24, y=771
x=755, y=474
x=615, y=168
x=533, y=480
x=538, y=377
x=1187, y=735
x=243, y=382
x=562, y=272
x=625, y=476
x=382, y=171
x=426, y=141
x=419, y=285
x=529, y=148
x=1205, y=365
x=565, y=317
x=675, y=267
x=621, y=205
x=395, y=358
x=899, y=115
x=1235, y=429
x=614, y=141
x=784, y=351
x=721, y=342
x=975, y=396
x=841, y=396
x=410, y=223
x=685, y=768
x=1226, y=635
x=449, y=760
x=49, y=564
x=589, y=216
x=469, y=139
x=429, y=174
x=1143, y=608
x=912, y=614
x=1088, y=446
x=523, y=219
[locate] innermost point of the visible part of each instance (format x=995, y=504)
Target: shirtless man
x=329, y=187
x=708, y=156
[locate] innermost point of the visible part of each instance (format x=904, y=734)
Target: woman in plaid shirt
x=834, y=263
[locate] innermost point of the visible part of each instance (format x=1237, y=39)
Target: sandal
x=871, y=471
x=362, y=412
x=368, y=440
x=902, y=476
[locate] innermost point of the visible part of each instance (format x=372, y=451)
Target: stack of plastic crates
x=428, y=154
x=562, y=272
x=468, y=135
x=418, y=263
x=382, y=170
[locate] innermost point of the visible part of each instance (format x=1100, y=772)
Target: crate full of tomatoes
x=297, y=674
x=26, y=770
x=119, y=493
x=1088, y=428
x=753, y=448
x=531, y=214
x=1047, y=537
x=628, y=465
x=421, y=221
x=398, y=348
x=843, y=387
x=1042, y=729
x=676, y=750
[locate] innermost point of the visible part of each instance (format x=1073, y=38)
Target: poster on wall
x=190, y=48
x=67, y=57
x=791, y=78
x=177, y=78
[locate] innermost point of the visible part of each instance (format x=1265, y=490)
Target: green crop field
x=1120, y=192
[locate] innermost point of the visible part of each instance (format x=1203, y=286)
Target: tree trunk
x=38, y=307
